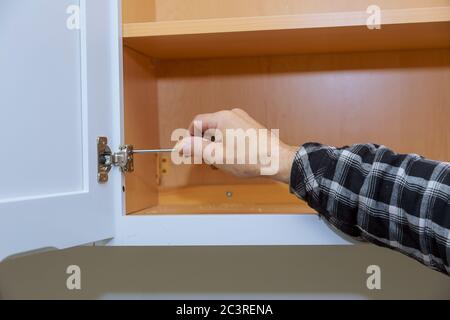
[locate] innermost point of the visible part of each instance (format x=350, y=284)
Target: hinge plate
x=106, y=159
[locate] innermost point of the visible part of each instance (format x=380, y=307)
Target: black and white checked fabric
x=367, y=191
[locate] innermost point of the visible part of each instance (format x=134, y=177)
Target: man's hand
x=207, y=129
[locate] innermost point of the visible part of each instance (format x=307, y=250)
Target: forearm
x=368, y=191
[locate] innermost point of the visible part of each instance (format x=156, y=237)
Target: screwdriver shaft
x=153, y=151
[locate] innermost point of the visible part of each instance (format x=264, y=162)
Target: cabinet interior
x=329, y=80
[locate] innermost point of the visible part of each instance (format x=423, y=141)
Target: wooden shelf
x=290, y=34
x=228, y=199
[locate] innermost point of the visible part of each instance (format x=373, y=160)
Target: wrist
x=286, y=160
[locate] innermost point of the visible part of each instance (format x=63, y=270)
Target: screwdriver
x=153, y=151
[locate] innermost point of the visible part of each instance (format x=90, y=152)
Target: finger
x=240, y=112
x=213, y=135
x=202, y=123
x=181, y=146
x=192, y=147
x=247, y=117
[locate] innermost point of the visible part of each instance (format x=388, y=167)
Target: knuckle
x=240, y=112
x=198, y=117
x=224, y=113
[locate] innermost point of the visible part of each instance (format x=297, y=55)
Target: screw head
x=102, y=177
x=229, y=194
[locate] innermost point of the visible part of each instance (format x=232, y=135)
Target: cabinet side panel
x=134, y=11
x=141, y=129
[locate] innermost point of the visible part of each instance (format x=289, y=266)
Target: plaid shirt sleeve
x=392, y=200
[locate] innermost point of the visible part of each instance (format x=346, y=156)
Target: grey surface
x=220, y=272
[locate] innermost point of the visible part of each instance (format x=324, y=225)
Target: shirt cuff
x=310, y=164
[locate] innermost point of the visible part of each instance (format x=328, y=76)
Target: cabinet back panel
x=399, y=99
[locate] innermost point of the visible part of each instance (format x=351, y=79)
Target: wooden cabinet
x=135, y=70
x=313, y=69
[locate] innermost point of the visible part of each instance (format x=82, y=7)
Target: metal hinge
x=124, y=158
x=107, y=159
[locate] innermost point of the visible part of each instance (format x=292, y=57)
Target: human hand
x=216, y=139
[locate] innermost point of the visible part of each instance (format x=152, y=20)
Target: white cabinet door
x=59, y=91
